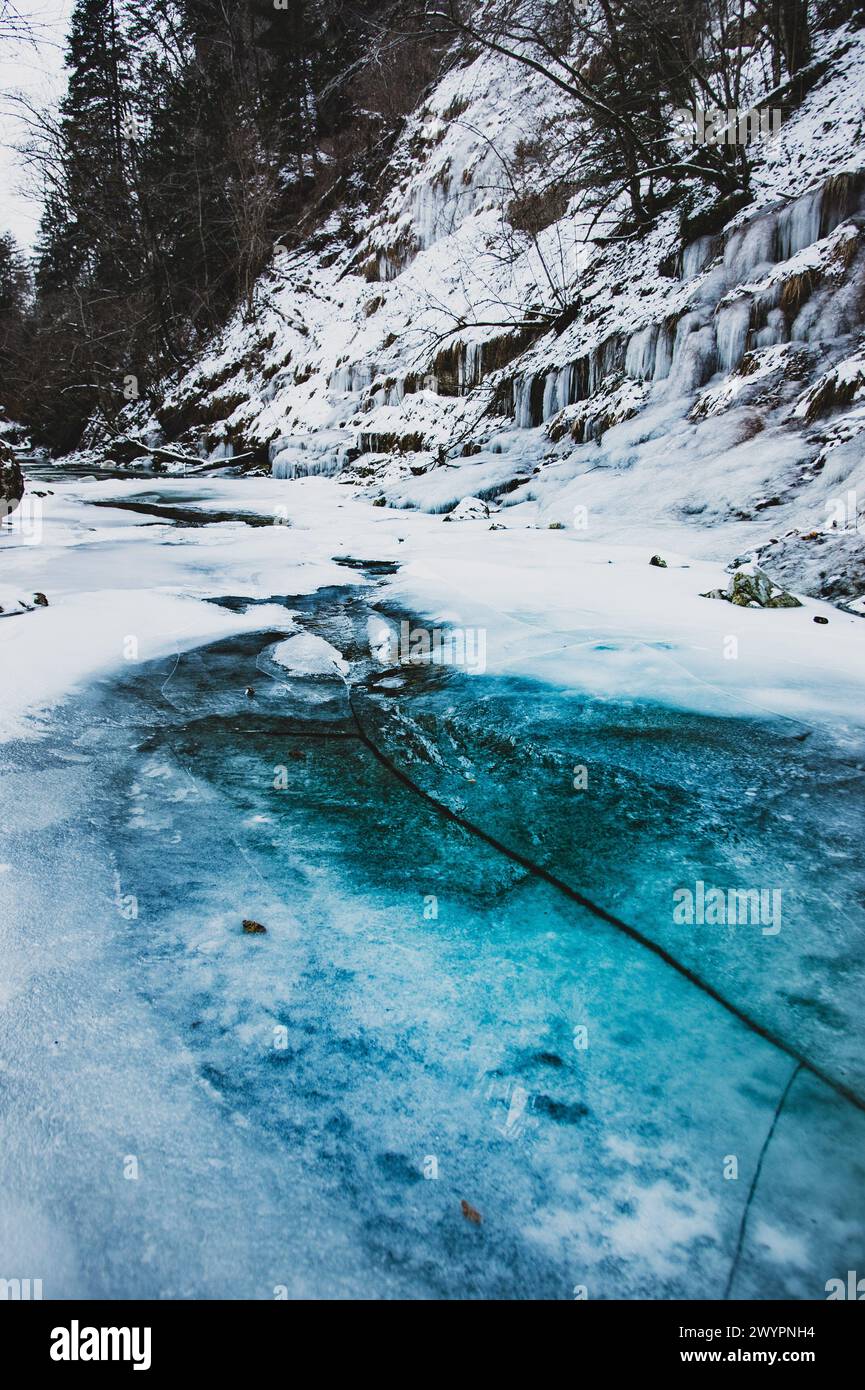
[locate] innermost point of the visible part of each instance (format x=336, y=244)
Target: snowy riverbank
x=592, y=614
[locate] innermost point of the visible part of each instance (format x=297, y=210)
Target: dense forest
x=194, y=138
x=191, y=138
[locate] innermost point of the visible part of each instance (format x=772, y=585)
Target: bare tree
x=628, y=65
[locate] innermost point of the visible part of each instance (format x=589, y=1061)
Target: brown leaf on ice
x=470, y=1213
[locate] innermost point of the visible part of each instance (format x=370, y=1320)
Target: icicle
x=475, y=362
x=469, y=365
x=551, y=395
x=694, y=353
x=351, y=378
x=608, y=357
x=750, y=247
x=640, y=356
x=773, y=332
x=432, y=211
x=663, y=353
x=460, y=353
x=799, y=224
x=696, y=257
x=522, y=389
x=299, y=458
x=528, y=394
x=276, y=446
x=732, y=323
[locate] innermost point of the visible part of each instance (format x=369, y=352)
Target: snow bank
x=583, y=609
x=91, y=634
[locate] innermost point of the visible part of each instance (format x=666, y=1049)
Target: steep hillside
x=706, y=378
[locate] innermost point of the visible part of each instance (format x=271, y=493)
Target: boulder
x=751, y=587
x=11, y=481
x=470, y=509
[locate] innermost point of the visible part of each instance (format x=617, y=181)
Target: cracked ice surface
x=283, y=1094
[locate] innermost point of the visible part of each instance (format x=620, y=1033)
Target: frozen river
x=477, y=1052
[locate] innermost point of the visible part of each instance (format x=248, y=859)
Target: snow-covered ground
x=589, y=613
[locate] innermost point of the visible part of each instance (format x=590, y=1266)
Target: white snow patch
x=780, y=1246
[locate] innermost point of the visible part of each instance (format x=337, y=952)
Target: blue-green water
x=426, y=1022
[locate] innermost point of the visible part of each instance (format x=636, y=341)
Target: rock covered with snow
x=11, y=480
x=13, y=603
x=844, y=384
x=751, y=587
x=826, y=563
x=383, y=640
x=469, y=509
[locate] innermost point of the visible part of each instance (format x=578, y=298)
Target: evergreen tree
x=191, y=136
x=88, y=230
x=15, y=290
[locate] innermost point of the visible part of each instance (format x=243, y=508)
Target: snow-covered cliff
x=707, y=378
